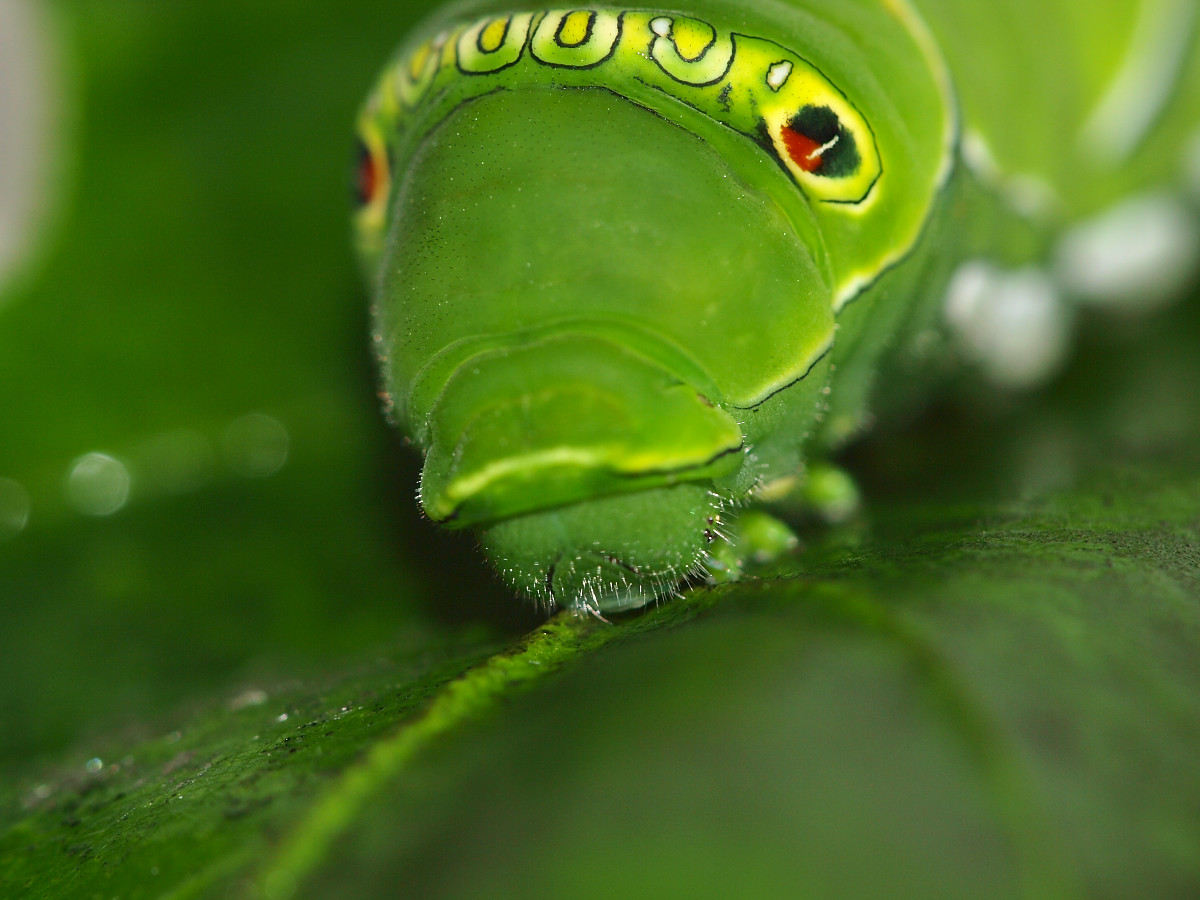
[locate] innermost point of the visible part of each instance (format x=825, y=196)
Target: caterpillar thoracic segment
x=610, y=248
x=750, y=84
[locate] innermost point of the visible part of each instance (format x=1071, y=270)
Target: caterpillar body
x=632, y=267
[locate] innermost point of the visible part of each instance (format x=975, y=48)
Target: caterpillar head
x=606, y=249
x=564, y=292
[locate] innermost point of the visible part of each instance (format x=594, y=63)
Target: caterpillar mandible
x=632, y=267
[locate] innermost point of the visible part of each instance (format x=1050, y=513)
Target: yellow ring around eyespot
x=370, y=220
x=799, y=89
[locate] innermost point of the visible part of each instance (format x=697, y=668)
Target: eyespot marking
x=367, y=176
x=817, y=142
x=371, y=185
x=824, y=142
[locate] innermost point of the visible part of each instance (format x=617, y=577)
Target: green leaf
x=1006, y=709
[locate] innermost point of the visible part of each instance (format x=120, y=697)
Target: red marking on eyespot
x=802, y=149
x=369, y=176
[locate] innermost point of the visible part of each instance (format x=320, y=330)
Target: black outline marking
x=795, y=381
x=458, y=58
x=503, y=38
x=712, y=460
x=587, y=34
x=940, y=196
x=772, y=67
x=656, y=37
x=704, y=52
x=591, y=25
x=740, y=448
x=423, y=83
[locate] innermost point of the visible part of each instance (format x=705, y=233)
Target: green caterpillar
x=610, y=249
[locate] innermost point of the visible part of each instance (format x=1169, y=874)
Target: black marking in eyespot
x=587, y=34
x=364, y=178
x=792, y=383
x=820, y=124
x=762, y=137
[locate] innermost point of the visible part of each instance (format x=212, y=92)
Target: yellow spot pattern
x=492, y=38
x=692, y=37
x=575, y=28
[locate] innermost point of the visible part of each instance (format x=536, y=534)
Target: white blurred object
x=28, y=127
x=1028, y=195
x=1014, y=325
x=256, y=445
x=14, y=509
x=98, y=484
x=1140, y=254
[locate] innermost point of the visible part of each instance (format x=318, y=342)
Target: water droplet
x=252, y=697
x=256, y=445
x=282, y=717
x=14, y=508
x=94, y=765
x=98, y=484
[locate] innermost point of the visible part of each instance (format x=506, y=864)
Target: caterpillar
x=632, y=268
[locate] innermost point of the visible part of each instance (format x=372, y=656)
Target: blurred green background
x=214, y=503
x=198, y=271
